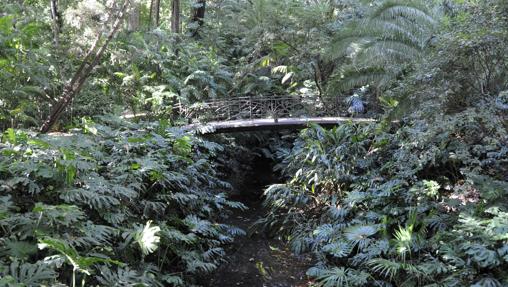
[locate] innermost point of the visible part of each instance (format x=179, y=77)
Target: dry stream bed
x=255, y=259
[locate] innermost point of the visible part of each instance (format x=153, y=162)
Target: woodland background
x=418, y=198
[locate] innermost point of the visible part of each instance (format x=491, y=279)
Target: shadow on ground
x=256, y=260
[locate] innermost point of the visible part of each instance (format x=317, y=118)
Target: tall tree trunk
x=151, y=14
x=198, y=15
x=134, y=15
x=175, y=16
x=57, y=27
x=91, y=59
x=55, y=16
x=155, y=6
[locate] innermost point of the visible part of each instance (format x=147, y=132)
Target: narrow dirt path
x=255, y=260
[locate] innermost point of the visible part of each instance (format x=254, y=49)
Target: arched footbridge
x=262, y=113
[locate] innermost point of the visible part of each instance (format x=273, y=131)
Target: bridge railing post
x=250, y=107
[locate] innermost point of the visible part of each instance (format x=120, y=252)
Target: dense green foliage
x=418, y=198
x=423, y=205
x=318, y=51
x=113, y=204
x=420, y=202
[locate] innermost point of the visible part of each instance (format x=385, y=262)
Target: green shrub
x=421, y=206
x=115, y=205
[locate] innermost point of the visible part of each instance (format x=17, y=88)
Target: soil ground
x=255, y=260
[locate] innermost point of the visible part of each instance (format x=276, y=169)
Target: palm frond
x=385, y=267
x=393, y=35
x=338, y=276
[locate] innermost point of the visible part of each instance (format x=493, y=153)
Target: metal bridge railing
x=258, y=107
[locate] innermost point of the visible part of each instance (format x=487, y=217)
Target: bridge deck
x=269, y=124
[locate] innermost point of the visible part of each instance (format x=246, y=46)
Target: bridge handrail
x=257, y=107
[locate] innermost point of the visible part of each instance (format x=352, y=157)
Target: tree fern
x=394, y=34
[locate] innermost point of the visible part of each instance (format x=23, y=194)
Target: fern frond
x=388, y=52
x=361, y=77
x=381, y=30
x=413, y=10
x=393, y=35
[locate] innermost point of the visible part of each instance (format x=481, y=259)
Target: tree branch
x=91, y=59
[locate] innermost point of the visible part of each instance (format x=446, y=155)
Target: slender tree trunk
x=318, y=79
x=91, y=59
x=175, y=16
x=57, y=26
x=157, y=12
x=55, y=16
x=155, y=6
x=134, y=15
x=198, y=15
x=151, y=13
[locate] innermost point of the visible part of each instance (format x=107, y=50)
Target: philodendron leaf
x=78, y=262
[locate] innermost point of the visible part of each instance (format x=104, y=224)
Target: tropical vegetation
x=103, y=184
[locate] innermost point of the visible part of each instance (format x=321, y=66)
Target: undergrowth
x=111, y=204
x=424, y=205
